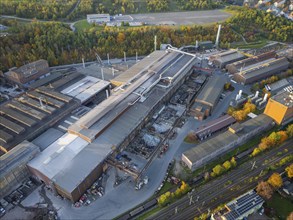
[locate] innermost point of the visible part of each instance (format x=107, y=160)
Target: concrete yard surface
x=182, y=18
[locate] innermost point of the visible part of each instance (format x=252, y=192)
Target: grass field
x=82, y=25
x=282, y=206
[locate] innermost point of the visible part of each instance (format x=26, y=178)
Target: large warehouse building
x=220, y=144
x=239, y=65
x=110, y=125
x=208, y=97
x=13, y=169
x=222, y=59
x=280, y=107
x=261, y=70
x=32, y=113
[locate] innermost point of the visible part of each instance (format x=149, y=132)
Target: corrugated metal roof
x=138, y=68
x=216, y=143
x=211, y=90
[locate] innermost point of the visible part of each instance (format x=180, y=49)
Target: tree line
x=274, y=139
x=256, y=24
x=55, y=9
x=56, y=42
x=44, y=9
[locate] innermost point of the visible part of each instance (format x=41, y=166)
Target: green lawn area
x=282, y=206
x=250, y=45
x=149, y=213
x=81, y=25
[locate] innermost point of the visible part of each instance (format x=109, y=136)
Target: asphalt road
x=217, y=192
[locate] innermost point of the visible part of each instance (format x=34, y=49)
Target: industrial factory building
x=222, y=59
x=112, y=124
x=214, y=126
x=208, y=97
x=239, y=65
x=32, y=113
x=27, y=74
x=13, y=169
x=261, y=70
x=220, y=144
x=280, y=107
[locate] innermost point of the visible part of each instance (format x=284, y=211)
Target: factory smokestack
x=218, y=36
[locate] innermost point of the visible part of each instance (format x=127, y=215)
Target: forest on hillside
x=56, y=42
x=56, y=9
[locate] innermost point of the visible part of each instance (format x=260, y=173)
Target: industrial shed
x=70, y=165
x=261, y=70
x=208, y=97
x=220, y=144
x=29, y=115
x=138, y=68
x=13, y=169
x=222, y=59
x=73, y=162
x=214, y=126
x=239, y=65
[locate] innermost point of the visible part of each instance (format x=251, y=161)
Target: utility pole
x=124, y=57
x=83, y=63
x=136, y=56
x=108, y=58
x=102, y=71
x=190, y=200
x=155, y=43
x=253, y=165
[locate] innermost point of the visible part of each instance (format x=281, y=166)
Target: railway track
x=216, y=192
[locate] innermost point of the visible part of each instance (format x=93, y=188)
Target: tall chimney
x=218, y=36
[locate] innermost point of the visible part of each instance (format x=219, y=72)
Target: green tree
x=275, y=180
x=289, y=130
x=227, y=165
x=289, y=170
x=218, y=170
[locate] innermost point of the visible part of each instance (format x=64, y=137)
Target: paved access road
x=218, y=191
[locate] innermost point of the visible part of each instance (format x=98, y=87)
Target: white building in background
x=98, y=18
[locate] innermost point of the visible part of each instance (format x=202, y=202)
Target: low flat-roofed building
x=214, y=126
x=261, y=70
x=13, y=169
x=241, y=207
x=238, y=65
x=98, y=18
x=222, y=59
x=205, y=45
x=280, y=107
x=222, y=143
x=208, y=97
x=28, y=73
